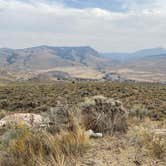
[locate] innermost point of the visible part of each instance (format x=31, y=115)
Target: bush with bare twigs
x=103, y=114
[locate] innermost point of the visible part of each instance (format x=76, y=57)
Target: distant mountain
x=146, y=68
x=153, y=64
x=82, y=63
x=59, y=62
x=123, y=57
x=47, y=57
x=142, y=65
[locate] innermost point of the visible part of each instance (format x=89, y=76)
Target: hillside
x=125, y=56
x=52, y=63
x=46, y=57
x=149, y=68
x=154, y=63
x=142, y=65
x=46, y=62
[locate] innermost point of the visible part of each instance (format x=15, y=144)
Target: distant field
x=77, y=72
x=33, y=97
x=142, y=75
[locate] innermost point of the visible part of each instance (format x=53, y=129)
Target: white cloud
x=30, y=24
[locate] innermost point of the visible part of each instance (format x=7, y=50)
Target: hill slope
x=149, y=68
x=50, y=63
x=46, y=57
x=124, y=57
x=79, y=62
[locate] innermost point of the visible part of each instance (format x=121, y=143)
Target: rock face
x=26, y=118
x=103, y=115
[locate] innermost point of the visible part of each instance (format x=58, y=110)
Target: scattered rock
x=90, y=133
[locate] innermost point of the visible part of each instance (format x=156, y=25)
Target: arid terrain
x=81, y=63
x=48, y=125
x=74, y=106
x=82, y=83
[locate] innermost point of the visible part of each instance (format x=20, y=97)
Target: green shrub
x=104, y=115
x=139, y=112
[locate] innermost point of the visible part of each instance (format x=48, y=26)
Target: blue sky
x=111, y=5
x=107, y=25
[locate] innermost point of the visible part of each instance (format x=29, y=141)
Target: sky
x=106, y=25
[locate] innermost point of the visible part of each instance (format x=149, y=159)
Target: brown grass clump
x=104, y=115
x=2, y=114
x=28, y=147
x=144, y=138
x=73, y=143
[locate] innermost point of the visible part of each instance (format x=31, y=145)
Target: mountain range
x=46, y=57
x=124, y=56
x=49, y=63
x=142, y=65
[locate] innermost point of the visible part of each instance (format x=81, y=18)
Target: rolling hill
x=148, y=68
x=74, y=62
x=51, y=63
x=46, y=57
x=125, y=57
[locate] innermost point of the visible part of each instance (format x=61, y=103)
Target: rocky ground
x=114, y=151
x=140, y=142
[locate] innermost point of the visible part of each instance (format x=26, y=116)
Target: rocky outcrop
x=26, y=118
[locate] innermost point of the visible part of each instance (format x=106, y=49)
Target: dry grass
x=2, y=113
x=64, y=143
x=27, y=147
x=137, y=147
x=145, y=140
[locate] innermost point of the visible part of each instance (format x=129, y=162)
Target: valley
x=48, y=63
x=82, y=83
